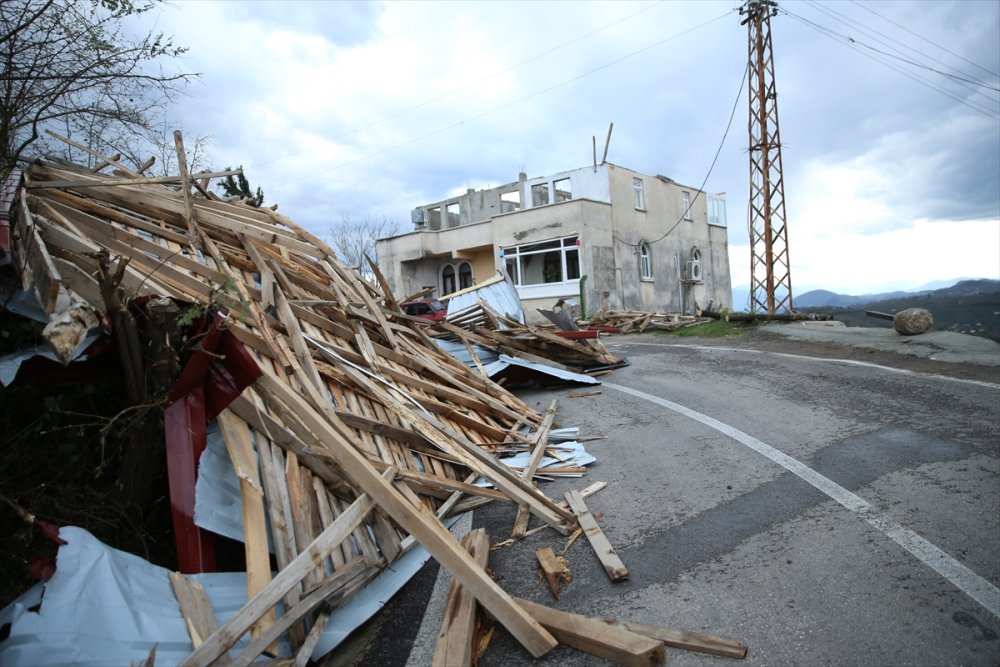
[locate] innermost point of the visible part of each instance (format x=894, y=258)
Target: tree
x=239, y=186
x=73, y=64
x=353, y=240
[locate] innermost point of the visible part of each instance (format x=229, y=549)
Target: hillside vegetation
x=970, y=307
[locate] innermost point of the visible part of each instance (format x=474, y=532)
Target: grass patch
x=711, y=329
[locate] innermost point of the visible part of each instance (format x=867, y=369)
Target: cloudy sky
x=890, y=115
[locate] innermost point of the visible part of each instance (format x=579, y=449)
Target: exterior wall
x=603, y=214
x=672, y=240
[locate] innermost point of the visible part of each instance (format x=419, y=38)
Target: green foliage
x=711, y=329
x=239, y=186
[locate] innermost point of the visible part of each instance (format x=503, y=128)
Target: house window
x=539, y=194
x=544, y=263
x=453, y=213
x=447, y=279
x=686, y=202
x=716, y=210
x=510, y=201
x=563, y=190
x=464, y=275
x=645, y=261
x=640, y=200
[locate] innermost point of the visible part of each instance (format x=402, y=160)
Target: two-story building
x=613, y=237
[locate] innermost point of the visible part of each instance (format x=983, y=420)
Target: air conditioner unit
x=417, y=217
x=694, y=271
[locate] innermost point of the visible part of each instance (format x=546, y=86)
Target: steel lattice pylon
x=770, y=269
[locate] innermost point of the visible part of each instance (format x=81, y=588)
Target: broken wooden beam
x=602, y=547
x=455, y=639
x=592, y=635
x=687, y=640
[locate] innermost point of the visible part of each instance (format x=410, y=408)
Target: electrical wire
x=902, y=27
x=877, y=37
x=507, y=105
x=850, y=42
x=466, y=86
x=711, y=167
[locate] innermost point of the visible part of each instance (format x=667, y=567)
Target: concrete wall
x=671, y=238
x=603, y=214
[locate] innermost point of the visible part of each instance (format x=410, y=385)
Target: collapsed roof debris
x=351, y=434
x=360, y=428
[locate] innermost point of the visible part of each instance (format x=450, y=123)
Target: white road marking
x=962, y=577
x=846, y=362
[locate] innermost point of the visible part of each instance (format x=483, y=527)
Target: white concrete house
x=610, y=236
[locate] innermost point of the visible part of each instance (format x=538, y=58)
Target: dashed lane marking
x=962, y=577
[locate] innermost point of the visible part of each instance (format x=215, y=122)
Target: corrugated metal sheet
x=500, y=295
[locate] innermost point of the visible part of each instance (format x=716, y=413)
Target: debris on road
x=351, y=436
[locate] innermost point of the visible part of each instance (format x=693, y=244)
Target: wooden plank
x=107, y=181
x=196, y=610
x=602, y=547
x=551, y=568
x=592, y=635
x=194, y=237
x=455, y=639
x=307, y=561
x=422, y=524
x=684, y=639
x=538, y=443
x=326, y=592
x=258, y=559
x=472, y=455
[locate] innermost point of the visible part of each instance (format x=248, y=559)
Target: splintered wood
x=359, y=436
x=629, y=321
x=350, y=388
x=480, y=325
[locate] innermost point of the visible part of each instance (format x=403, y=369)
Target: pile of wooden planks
x=358, y=436
x=634, y=321
x=481, y=325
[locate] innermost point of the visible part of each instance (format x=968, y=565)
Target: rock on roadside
x=912, y=321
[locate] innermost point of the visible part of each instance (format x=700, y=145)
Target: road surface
x=822, y=512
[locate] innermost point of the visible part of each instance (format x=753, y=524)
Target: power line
x=711, y=167
x=902, y=27
x=877, y=37
x=504, y=106
x=466, y=86
x=855, y=45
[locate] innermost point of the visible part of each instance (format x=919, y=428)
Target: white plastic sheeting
x=107, y=607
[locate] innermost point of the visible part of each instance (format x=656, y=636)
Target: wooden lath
x=351, y=390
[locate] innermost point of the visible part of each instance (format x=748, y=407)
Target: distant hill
x=969, y=306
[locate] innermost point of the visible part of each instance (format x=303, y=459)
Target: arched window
x=645, y=261
x=447, y=279
x=464, y=275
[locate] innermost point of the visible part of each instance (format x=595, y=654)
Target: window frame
x=645, y=261
x=638, y=194
x=686, y=205
x=517, y=257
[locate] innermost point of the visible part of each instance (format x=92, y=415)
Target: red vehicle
x=430, y=309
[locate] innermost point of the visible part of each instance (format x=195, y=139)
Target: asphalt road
x=820, y=512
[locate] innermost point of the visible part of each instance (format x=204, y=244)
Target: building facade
x=606, y=235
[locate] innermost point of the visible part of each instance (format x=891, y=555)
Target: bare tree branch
x=73, y=63
x=353, y=240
